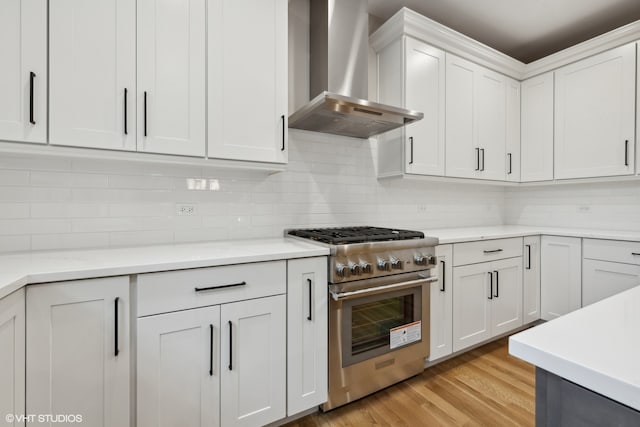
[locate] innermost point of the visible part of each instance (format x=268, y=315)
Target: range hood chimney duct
x=339, y=50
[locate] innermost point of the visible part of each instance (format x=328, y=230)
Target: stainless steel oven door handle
x=340, y=296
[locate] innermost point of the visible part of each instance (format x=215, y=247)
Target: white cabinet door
x=531, y=279
x=462, y=159
x=247, y=80
x=253, y=371
x=491, y=123
x=424, y=91
x=171, y=77
x=306, y=334
x=471, y=305
x=78, y=350
x=92, y=80
x=560, y=276
x=506, y=305
x=179, y=369
x=12, y=357
x=442, y=305
x=23, y=74
x=602, y=279
x=537, y=129
x=512, y=167
x=595, y=115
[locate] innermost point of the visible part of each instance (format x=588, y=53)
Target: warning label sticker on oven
x=405, y=334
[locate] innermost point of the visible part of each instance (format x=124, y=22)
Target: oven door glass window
x=368, y=320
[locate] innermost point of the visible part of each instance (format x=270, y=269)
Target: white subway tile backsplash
x=60, y=203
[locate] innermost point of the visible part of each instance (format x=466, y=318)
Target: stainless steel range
x=379, y=283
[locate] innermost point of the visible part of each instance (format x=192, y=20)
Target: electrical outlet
x=184, y=210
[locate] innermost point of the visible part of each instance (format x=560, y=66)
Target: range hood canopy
x=339, y=48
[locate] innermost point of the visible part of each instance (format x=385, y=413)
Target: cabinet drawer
x=183, y=289
x=612, y=250
x=486, y=250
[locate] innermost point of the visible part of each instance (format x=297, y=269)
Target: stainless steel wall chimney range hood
x=339, y=49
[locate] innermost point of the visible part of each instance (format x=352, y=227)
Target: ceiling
x=523, y=29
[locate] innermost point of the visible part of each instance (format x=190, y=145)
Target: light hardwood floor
x=484, y=387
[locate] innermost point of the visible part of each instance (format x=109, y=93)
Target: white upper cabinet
x=513, y=131
x=23, y=74
x=92, y=66
x=491, y=123
x=247, y=80
x=537, y=128
x=594, y=115
x=411, y=74
x=171, y=77
x=463, y=159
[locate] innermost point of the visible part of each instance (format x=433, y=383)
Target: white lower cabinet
x=487, y=301
x=12, y=362
x=602, y=279
x=531, y=279
x=179, y=369
x=561, y=276
x=77, y=345
x=253, y=371
x=442, y=305
x=306, y=334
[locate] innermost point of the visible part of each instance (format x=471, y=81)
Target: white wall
x=53, y=203
x=606, y=205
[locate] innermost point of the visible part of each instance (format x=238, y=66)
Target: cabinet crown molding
x=409, y=23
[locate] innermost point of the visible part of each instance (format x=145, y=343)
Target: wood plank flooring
x=484, y=387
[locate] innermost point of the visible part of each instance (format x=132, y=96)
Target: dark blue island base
x=562, y=403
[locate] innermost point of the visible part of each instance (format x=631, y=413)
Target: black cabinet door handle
x=442, y=276
x=283, y=137
x=310, y=284
x=528, y=257
x=411, y=150
x=210, y=288
x=210, y=350
x=510, y=164
x=145, y=113
x=490, y=285
x=230, y=346
x=116, y=349
x=32, y=77
x=497, y=294
x=125, y=111
x=482, y=152
x=626, y=152
x=477, y=158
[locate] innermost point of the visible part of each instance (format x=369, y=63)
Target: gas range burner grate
x=345, y=235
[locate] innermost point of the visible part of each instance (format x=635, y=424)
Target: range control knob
x=396, y=264
x=384, y=265
x=420, y=259
x=366, y=267
x=354, y=268
x=342, y=270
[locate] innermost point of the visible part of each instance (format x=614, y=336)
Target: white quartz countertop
x=468, y=234
x=597, y=347
x=18, y=270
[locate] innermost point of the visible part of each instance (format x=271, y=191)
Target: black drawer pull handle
x=211, y=350
x=230, y=346
x=528, y=257
x=635, y=253
x=32, y=77
x=497, y=294
x=490, y=285
x=310, y=284
x=211, y=288
x=283, y=131
x=116, y=349
x=443, y=277
x=493, y=251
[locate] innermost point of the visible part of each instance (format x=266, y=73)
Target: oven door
x=378, y=319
